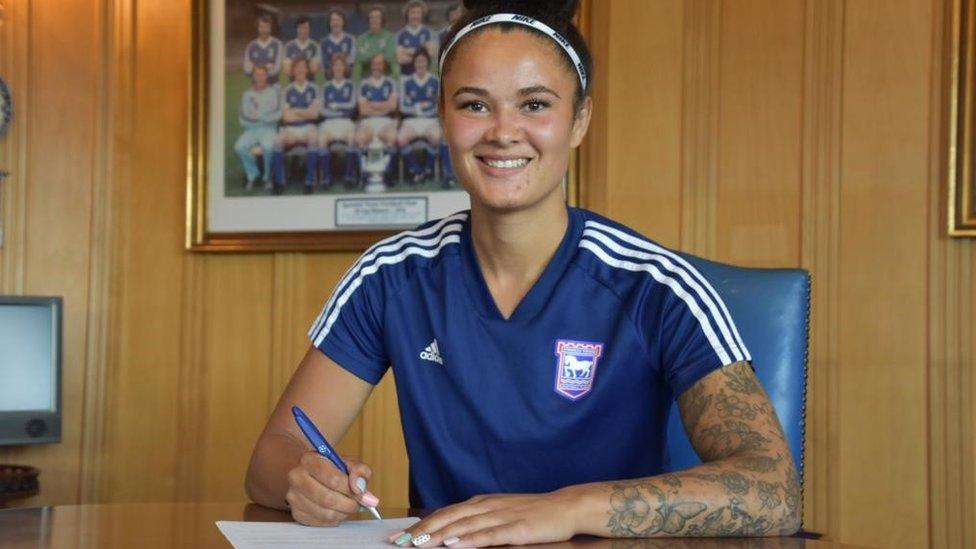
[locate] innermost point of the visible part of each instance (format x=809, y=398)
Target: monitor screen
x=30, y=369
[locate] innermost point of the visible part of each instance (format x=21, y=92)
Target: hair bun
x=559, y=10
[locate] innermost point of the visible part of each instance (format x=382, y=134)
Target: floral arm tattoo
x=747, y=485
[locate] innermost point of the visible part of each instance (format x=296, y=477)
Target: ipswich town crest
x=576, y=367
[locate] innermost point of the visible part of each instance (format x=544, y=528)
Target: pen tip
x=375, y=513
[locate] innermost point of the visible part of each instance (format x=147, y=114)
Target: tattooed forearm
x=747, y=485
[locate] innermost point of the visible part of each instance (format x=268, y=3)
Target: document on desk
x=277, y=535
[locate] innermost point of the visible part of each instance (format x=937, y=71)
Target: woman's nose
x=506, y=128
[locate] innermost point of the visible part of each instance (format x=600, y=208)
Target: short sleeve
x=697, y=334
x=349, y=330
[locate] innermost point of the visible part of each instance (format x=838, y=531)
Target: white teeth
x=516, y=163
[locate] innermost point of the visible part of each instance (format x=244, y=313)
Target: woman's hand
x=319, y=494
x=504, y=519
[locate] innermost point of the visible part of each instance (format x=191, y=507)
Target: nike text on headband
x=527, y=22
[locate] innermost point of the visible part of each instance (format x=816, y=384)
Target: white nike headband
x=524, y=21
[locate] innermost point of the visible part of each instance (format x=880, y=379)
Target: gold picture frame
x=201, y=235
x=961, y=214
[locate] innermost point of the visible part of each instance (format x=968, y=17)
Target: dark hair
x=300, y=20
x=557, y=14
x=265, y=18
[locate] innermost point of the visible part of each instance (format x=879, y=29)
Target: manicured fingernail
x=370, y=500
x=402, y=539
x=420, y=540
x=451, y=541
x=394, y=536
x=361, y=484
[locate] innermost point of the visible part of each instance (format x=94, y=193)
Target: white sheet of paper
x=275, y=535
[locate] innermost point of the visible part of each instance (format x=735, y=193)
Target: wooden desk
x=152, y=525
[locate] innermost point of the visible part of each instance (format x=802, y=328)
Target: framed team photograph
x=962, y=134
x=313, y=124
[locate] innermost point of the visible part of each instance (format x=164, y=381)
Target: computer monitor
x=30, y=370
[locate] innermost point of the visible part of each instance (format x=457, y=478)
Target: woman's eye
x=536, y=106
x=474, y=106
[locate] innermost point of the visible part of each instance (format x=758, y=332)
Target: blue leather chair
x=771, y=309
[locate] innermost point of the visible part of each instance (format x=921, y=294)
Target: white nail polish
x=361, y=484
x=420, y=540
x=451, y=541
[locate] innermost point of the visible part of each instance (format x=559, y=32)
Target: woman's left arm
x=747, y=485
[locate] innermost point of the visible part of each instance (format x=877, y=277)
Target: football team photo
x=334, y=97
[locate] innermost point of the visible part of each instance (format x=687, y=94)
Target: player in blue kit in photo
x=377, y=104
x=264, y=50
x=338, y=41
x=418, y=105
x=303, y=46
x=300, y=113
x=338, y=108
x=536, y=348
x=258, y=113
x=414, y=36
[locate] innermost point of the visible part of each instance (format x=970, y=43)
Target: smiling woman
x=537, y=348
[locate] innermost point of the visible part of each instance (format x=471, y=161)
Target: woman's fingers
x=359, y=475
x=319, y=481
x=456, y=520
x=309, y=512
x=509, y=533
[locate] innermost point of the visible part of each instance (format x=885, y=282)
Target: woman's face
x=508, y=117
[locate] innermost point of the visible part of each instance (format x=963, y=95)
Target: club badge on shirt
x=576, y=367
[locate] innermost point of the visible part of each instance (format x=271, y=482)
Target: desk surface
x=151, y=525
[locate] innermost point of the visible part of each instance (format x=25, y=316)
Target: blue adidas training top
x=574, y=387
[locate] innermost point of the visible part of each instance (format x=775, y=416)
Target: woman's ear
x=581, y=121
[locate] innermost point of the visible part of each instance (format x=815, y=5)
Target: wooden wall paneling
x=952, y=461
x=819, y=253
x=156, y=291
x=58, y=201
x=700, y=125
x=593, y=151
x=967, y=379
x=943, y=500
x=642, y=78
x=883, y=492
x=193, y=375
x=756, y=207
x=289, y=321
x=15, y=27
x=110, y=166
x=237, y=351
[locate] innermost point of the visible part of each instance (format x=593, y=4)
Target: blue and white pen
x=326, y=450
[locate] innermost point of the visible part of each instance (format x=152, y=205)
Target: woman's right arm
x=284, y=473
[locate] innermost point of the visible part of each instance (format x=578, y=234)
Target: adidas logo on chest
x=432, y=353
